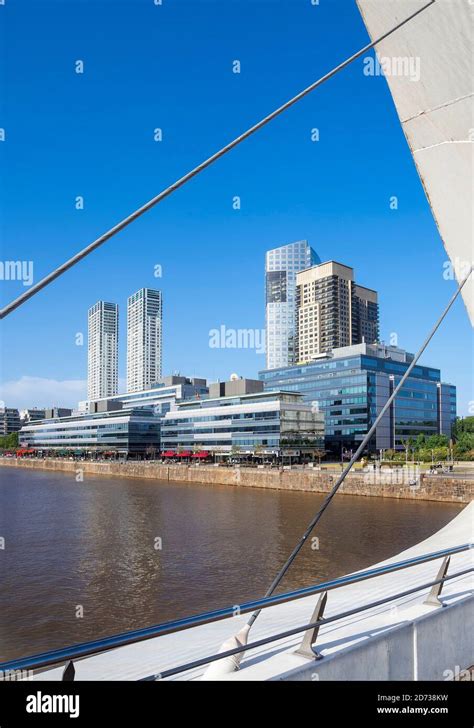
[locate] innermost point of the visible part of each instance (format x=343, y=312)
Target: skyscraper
x=144, y=339
x=281, y=266
x=332, y=311
x=102, y=354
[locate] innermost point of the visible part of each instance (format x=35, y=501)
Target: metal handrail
x=86, y=649
x=296, y=630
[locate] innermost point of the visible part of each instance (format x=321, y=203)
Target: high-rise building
x=332, y=311
x=102, y=365
x=144, y=339
x=281, y=266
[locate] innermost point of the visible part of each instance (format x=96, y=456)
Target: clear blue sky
x=170, y=66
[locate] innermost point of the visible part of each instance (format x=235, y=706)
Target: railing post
x=69, y=672
x=433, y=597
x=306, y=648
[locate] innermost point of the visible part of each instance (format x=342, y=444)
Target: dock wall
x=385, y=485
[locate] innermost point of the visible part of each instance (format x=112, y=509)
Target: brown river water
x=93, y=549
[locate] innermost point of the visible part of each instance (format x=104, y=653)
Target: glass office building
x=265, y=423
x=125, y=424
x=351, y=386
x=281, y=266
x=130, y=432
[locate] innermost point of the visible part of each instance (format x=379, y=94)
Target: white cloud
x=40, y=392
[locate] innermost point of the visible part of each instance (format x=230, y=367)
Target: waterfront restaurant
x=262, y=425
x=131, y=433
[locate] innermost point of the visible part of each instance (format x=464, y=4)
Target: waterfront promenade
x=387, y=483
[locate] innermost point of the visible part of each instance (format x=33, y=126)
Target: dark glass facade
x=352, y=390
x=276, y=286
x=246, y=423
x=125, y=431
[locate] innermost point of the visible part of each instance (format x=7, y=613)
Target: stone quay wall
x=379, y=484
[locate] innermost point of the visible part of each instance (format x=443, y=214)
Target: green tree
x=464, y=443
x=463, y=425
x=420, y=441
x=440, y=454
x=434, y=441
x=9, y=442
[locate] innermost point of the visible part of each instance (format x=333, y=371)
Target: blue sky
x=170, y=66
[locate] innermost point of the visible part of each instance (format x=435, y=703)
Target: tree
x=464, y=443
x=434, y=441
x=420, y=441
x=462, y=426
x=9, y=442
x=440, y=454
x=433, y=454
